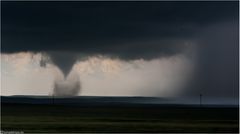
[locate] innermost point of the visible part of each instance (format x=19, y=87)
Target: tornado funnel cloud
x=63, y=60
x=70, y=86
x=69, y=83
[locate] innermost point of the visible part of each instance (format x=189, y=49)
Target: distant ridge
x=79, y=99
x=98, y=101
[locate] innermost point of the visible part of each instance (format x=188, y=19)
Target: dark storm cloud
x=218, y=61
x=124, y=29
x=131, y=30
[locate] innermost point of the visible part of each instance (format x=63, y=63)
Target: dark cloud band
x=125, y=29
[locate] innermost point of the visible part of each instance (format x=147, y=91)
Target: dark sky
x=132, y=30
x=124, y=29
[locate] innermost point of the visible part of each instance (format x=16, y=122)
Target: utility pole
x=53, y=99
x=200, y=99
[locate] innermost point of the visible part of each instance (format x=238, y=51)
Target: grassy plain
x=60, y=118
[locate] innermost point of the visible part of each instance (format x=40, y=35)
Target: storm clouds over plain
x=133, y=30
x=125, y=29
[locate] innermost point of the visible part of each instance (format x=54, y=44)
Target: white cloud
x=99, y=75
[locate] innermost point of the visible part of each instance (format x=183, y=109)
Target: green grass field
x=47, y=118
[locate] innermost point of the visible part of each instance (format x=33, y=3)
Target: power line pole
x=200, y=99
x=53, y=99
